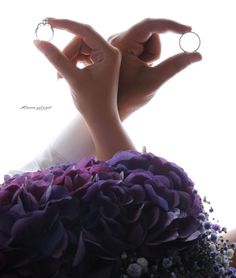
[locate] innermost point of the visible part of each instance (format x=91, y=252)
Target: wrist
x=124, y=113
x=125, y=110
x=108, y=135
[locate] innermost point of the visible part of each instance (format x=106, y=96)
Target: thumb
x=159, y=74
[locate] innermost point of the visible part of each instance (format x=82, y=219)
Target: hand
x=94, y=88
x=140, y=45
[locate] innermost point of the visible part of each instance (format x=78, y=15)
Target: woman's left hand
x=94, y=88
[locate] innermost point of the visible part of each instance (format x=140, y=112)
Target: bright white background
x=191, y=121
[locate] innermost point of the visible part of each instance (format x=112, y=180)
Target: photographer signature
x=26, y=107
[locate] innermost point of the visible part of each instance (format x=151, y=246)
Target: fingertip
x=49, y=19
x=59, y=76
x=195, y=57
x=36, y=43
x=188, y=28
x=41, y=45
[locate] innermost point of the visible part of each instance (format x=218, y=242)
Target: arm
x=140, y=45
x=94, y=88
x=108, y=135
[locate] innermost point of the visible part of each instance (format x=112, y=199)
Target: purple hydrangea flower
x=77, y=219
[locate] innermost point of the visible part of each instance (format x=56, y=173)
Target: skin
x=94, y=88
x=138, y=81
x=140, y=46
x=231, y=236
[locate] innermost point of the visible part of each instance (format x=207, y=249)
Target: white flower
x=230, y=253
x=143, y=262
x=134, y=270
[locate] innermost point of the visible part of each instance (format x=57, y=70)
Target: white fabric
x=72, y=144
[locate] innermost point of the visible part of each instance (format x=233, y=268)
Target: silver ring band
x=199, y=42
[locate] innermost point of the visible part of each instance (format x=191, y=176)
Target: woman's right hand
x=140, y=45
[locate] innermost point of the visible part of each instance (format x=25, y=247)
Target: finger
x=84, y=61
x=145, y=28
x=58, y=60
x=152, y=49
x=86, y=32
x=170, y=67
x=75, y=47
x=77, y=51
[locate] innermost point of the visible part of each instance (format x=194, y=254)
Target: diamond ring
x=44, y=31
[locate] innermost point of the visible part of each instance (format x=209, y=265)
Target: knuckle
x=117, y=40
x=97, y=56
x=147, y=21
x=112, y=38
x=88, y=27
x=116, y=53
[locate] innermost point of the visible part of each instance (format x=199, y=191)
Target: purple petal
x=185, y=200
x=188, y=227
x=157, y=200
x=106, y=271
x=91, y=193
x=138, y=193
x=165, y=237
x=152, y=217
x=80, y=253
x=138, y=177
x=136, y=235
x=175, y=179
x=109, y=209
x=62, y=245
x=131, y=215
x=122, y=156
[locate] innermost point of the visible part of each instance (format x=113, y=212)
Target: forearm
x=108, y=135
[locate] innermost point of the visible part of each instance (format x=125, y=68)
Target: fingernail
x=195, y=57
x=49, y=18
x=189, y=28
x=37, y=44
x=58, y=76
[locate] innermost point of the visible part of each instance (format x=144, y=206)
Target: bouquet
x=135, y=215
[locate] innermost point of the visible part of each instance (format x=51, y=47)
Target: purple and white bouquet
x=135, y=215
